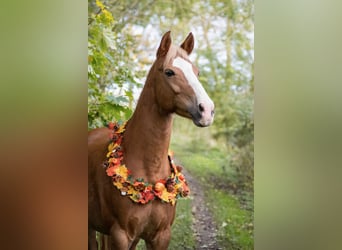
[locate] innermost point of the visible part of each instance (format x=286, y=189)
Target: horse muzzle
x=203, y=114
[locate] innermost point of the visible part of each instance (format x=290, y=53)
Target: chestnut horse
x=172, y=86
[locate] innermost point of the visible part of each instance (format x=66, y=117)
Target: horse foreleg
x=134, y=244
x=119, y=239
x=92, y=244
x=161, y=240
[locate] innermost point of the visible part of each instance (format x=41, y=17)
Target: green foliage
x=235, y=125
x=111, y=77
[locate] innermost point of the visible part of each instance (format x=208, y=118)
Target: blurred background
x=122, y=44
x=45, y=57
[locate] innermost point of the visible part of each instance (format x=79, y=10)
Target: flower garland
x=166, y=190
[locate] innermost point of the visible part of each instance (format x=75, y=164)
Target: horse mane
x=173, y=52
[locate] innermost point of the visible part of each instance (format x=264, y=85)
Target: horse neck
x=147, y=137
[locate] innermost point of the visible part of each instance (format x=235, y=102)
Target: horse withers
x=141, y=203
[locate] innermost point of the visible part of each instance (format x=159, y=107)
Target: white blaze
x=201, y=94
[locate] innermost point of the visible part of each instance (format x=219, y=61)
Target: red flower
x=148, y=196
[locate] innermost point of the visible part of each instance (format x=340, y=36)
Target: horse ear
x=188, y=44
x=164, y=45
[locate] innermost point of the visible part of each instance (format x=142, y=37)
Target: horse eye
x=169, y=72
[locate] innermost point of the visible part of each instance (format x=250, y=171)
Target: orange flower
x=115, y=161
x=159, y=187
x=181, y=177
x=110, y=171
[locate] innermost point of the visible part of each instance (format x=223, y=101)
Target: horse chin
x=200, y=123
x=196, y=118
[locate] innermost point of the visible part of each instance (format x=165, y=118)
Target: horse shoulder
x=98, y=138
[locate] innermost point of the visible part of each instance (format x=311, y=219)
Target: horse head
x=179, y=89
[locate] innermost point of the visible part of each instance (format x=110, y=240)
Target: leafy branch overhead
x=111, y=78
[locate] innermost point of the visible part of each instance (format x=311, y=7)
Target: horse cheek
x=166, y=99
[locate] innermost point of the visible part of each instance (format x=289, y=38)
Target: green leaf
x=109, y=38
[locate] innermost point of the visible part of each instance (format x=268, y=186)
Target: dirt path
x=203, y=225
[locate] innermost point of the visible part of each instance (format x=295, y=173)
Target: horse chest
x=145, y=220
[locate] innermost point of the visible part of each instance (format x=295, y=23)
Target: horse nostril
x=201, y=108
x=213, y=112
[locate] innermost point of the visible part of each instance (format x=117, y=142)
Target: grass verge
x=232, y=209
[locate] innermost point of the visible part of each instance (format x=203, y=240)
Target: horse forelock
x=173, y=53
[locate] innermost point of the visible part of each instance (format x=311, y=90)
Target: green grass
x=182, y=236
x=235, y=225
